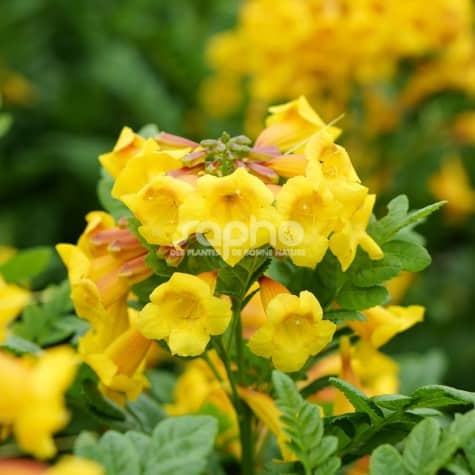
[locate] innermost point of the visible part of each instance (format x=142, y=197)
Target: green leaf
x=469, y=449
x=358, y=399
x=398, y=218
x=386, y=460
x=412, y=257
x=147, y=411
x=141, y=443
x=113, y=206
x=236, y=281
x=6, y=121
x=339, y=316
x=181, y=445
x=162, y=385
x=302, y=424
x=49, y=321
x=117, y=454
x=370, y=273
x=438, y=396
x=19, y=346
x=393, y=402
x=26, y=264
x=361, y=298
x=421, y=446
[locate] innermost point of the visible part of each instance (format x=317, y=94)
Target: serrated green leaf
x=438, y=396
x=181, y=445
x=302, y=424
x=386, y=460
x=361, y=298
x=412, y=257
x=26, y=264
x=398, y=218
x=358, y=399
x=421, y=446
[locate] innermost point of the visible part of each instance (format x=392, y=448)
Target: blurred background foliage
x=73, y=73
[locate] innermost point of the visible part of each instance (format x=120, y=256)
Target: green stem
x=243, y=411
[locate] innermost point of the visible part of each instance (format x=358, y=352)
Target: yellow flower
x=224, y=210
x=32, y=398
x=128, y=144
x=399, y=285
x=121, y=364
x=12, y=300
x=185, y=312
x=103, y=266
x=156, y=205
x=384, y=323
x=344, y=242
x=308, y=214
x=294, y=329
x=149, y=162
x=71, y=465
x=452, y=183
x=290, y=125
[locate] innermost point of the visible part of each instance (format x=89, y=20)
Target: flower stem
x=245, y=414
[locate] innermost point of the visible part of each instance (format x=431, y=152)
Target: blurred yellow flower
x=12, y=301
x=32, y=397
x=71, y=465
x=452, y=184
x=197, y=388
x=184, y=312
x=371, y=39
x=382, y=324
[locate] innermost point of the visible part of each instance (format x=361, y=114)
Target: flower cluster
x=329, y=46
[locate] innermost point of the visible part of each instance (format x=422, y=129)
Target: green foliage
x=429, y=448
x=388, y=418
x=304, y=428
x=177, y=445
x=26, y=264
x=51, y=320
x=399, y=219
